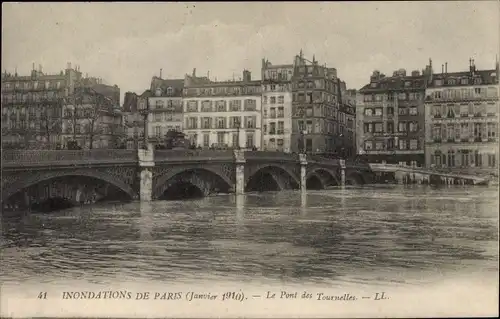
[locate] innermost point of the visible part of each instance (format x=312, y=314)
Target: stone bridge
x=86, y=176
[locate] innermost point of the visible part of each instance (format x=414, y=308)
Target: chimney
x=446, y=68
x=194, y=73
x=160, y=72
x=442, y=68
x=247, y=76
x=40, y=68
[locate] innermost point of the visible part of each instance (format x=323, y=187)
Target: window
x=378, y=112
x=403, y=111
x=438, y=82
x=250, y=105
x=157, y=117
x=390, y=111
x=402, y=145
x=281, y=99
x=250, y=121
x=192, y=106
x=368, y=145
x=492, y=130
x=221, y=123
x=159, y=104
x=220, y=138
x=273, y=112
x=273, y=100
x=379, y=145
x=272, y=128
x=402, y=127
x=413, y=144
x=234, y=140
x=235, y=105
x=158, y=131
x=206, y=106
x=206, y=140
x=309, y=111
x=413, y=126
x=206, y=124
x=368, y=112
x=390, y=127
x=281, y=127
x=170, y=91
x=301, y=126
x=192, y=122
x=250, y=139
x=368, y=127
x=491, y=160
x=379, y=127
x=413, y=111
x=264, y=100
x=309, y=126
x=402, y=96
x=281, y=112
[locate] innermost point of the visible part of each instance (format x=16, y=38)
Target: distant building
x=315, y=106
x=277, y=106
x=390, y=117
x=222, y=114
x=165, y=108
x=346, y=141
x=461, y=112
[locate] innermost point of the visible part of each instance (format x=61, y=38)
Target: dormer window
x=464, y=81
x=438, y=82
x=373, y=85
x=451, y=82
x=407, y=83
x=477, y=81
x=170, y=91
x=158, y=92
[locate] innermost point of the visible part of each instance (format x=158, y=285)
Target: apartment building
x=461, y=113
x=222, y=114
x=165, y=108
x=390, y=117
x=315, y=106
x=276, y=106
x=32, y=107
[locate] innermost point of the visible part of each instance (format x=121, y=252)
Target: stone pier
x=303, y=172
x=146, y=162
x=342, y=172
x=239, y=157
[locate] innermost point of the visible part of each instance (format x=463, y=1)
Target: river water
x=385, y=235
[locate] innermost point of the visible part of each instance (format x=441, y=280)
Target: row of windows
x=279, y=74
x=222, y=90
x=464, y=93
x=222, y=139
x=220, y=106
x=160, y=117
x=463, y=158
x=314, y=97
x=378, y=127
x=402, y=96
x=160, y=131
x=378, y=111
x=221, y=122
x=392, y=144
x=273, y=100
x=455, y=81
x=159, y=104
x=275, y=128
x=273, y=114
x=316, y=110
x=464, y=109
x=27, y=85
x=464, y=131
x=276, y=88
x=30, y=97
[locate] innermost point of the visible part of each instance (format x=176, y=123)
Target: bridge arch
x=32, y=179
x=327, y=176
x=354, y=178
x=204, y=180
x=271, y=177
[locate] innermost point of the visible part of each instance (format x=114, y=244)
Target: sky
x=128, y=43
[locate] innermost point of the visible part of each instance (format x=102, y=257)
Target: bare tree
x=50, y=119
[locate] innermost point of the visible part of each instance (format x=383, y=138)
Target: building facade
x=346, y=121
x=165, y=109
x=32, y=107
x=91, y=120
x=390, y=118
x=462, y=120
x=222, y=114
x=276, y=106
x=315, y=106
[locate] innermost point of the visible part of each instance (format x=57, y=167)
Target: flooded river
x=394, y=235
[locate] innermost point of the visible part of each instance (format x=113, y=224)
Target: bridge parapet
x=270, y=155
x=195, y=155
x=23, y=158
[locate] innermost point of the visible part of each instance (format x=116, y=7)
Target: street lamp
x=303, y=134
x=238, y=126
x=144, y=111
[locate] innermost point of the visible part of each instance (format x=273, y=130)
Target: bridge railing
x=63, y=157
x=271, y=155
x=427, y=170
x=202, y=155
